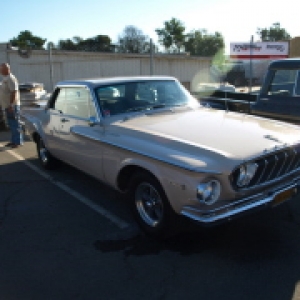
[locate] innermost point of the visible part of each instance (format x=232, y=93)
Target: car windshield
x=142, y=95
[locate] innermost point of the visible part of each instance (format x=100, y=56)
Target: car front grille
x=272, y=166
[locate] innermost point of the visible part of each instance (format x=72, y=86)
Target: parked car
x=171, y=156
x=30, y=92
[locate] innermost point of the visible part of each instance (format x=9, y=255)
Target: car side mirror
x=94, y=121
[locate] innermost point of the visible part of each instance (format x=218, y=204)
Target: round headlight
x=209, y=192
x=246, y=173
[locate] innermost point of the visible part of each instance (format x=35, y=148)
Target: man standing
x=10, y=98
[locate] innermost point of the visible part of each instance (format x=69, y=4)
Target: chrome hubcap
x=149, y=204
x=43, y=152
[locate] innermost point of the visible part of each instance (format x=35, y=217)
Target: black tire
x=46, y=159
x=150, y=206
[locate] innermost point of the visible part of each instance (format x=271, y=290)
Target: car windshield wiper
x=156, y=106
x=162, y=105
x=147, y=107
x=138, y=108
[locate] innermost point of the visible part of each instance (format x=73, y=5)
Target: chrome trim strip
x=149, y=156
x=285, y=158
x=228, y=211
x=226, y=99
x=271, y=172
x=262, y=172
x=297, y=164
x=66, y=85
x=270, y=182
x=263, y=159
x=292, y=160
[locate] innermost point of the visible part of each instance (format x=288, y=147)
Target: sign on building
x=259, y=50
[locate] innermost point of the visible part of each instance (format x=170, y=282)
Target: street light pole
x=250, y=67
x=151, y=57
x=51, y=65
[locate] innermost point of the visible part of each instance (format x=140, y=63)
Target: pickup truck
x=279, y=96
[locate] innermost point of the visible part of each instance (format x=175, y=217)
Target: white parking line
x=100, y=210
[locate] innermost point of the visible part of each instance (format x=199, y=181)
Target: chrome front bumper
x=239, y=207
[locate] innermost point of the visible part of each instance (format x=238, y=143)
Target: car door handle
x=265, y=99
x=63, y=120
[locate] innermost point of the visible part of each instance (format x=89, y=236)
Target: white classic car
x=150, y=139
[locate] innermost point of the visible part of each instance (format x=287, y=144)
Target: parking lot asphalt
x=65, y=235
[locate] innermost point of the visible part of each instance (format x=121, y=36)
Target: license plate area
x=284, y=196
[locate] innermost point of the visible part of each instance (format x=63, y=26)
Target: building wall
x=76, y=65
x=295, y=47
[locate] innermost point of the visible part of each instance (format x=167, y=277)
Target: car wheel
x=150, y=205
x=46, y=159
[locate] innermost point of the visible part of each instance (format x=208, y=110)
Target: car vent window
x=59, y=102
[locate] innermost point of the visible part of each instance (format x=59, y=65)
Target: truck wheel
x=150, y=205
x=46, y=159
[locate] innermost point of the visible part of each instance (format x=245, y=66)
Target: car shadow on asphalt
x=253, y=238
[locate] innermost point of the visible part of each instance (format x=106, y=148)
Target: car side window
x=283, y=83
x=112, y=99
x=78, y=103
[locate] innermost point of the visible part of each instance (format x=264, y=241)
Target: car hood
x=200, y=138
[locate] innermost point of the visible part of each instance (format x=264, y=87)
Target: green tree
x=133, y=40
x=273, y=34
x=99, y=43
x=172, y=36
x=67, y=44
x=220, y=59
x=77, y=39
x=26, y=40
x=199, y=42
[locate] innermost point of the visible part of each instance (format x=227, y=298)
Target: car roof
x=289, y=63
x=94, y=82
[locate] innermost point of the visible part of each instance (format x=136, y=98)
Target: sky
x=236, y=20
